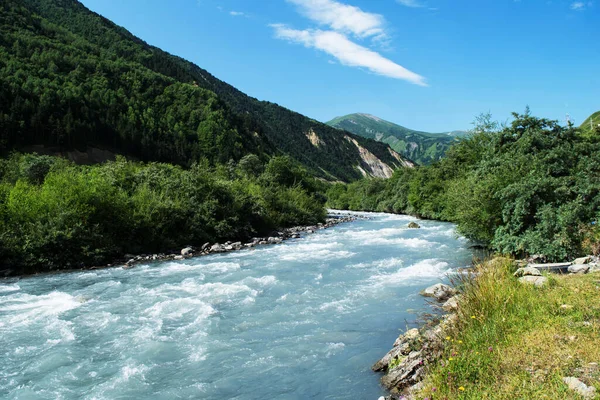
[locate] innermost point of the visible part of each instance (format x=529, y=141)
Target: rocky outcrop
x=314, y=139
x=405, y=365
x=413, y=225
x=574, y=384
x=584, y=260
x=371, y=166
x=439, y=291
x=537, y=281
x=207, y=248
x=451, y=304
x=579, y=268
x=527, y=271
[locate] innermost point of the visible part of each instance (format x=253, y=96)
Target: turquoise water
x=304, y=319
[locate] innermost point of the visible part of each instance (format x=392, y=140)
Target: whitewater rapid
x=303, y=319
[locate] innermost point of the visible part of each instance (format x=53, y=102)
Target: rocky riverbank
x=418, y=352
x=277, y=237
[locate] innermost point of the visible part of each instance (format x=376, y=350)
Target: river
x=300, y=320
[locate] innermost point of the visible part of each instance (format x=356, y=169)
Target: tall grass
x=514, y=341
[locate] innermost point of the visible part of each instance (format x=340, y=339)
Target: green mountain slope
x=421, y=147
x=71, y=80
x=591, y=123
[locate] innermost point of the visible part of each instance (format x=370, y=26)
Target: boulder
x=583, y=260
x=217, y=248
x=537, y=281
x=205, y=246
x=527, y=271
x=186, y=251
x=451, y=304
x=579, y=269
x=439, y=291
x=552, y=267
x=587, y=392
x=594, y=268
x=413, y=225
x=405, y=373
x=178, y=258
x=409, y=336
x=402, y=347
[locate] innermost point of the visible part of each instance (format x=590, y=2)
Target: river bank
x=509, y=330
x=128, y=261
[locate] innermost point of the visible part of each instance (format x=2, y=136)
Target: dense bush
x=56, y=215
x=530, y=187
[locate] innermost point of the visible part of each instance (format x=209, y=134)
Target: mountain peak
x=421, y=147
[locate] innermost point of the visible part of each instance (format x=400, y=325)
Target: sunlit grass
x=513, y=341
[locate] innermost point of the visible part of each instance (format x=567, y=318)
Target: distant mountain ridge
x=592, y=122
x=82, y=83
x=421, y=147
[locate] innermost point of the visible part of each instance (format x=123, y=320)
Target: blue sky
x=431, y=65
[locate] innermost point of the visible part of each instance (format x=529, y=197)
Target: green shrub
x=55, y=215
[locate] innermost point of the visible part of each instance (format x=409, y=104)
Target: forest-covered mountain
x=73, y=81
x=421, y=147
x=592, y=123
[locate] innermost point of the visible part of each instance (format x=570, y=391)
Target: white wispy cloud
x=237, y=13
x=347, y=52
x=410, y=3
x=343, y=17
x=580, y=5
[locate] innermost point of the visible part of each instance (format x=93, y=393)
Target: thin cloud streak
x=343, y=18
x=411, y=3
x=347, y=52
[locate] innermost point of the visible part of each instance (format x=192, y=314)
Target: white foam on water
x=26, y=308
x=248, y=300
x=283, y=298
x=97, y=321
x=387, y=263
x=339, y=306
x=310, y=250
x=129, y=371
x=425, y=269
x=266, y=280
x=323, y=254
x=411, y=243
x=220, y=267
x=198, y=354
x=223, y=291
x=86, y=275
x=176, y=308
x=175, y=268
x=200, y=268
x=9, y=288
x=334, y=348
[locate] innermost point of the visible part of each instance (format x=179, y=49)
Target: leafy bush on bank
x=530, y=187
x=56, y=215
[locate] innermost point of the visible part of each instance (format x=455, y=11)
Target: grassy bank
x=516, y=341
